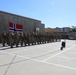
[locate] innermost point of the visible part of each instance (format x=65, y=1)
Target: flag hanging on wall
x=15, y=27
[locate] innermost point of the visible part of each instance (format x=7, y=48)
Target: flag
x=15, y=27
x=19, y=27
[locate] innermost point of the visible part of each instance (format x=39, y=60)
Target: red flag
x=10, y=25
x=18, y=26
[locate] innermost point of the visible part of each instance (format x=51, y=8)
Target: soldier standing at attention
x=21, y=38
x=7, y=39
x=28, y=38
x=16, y=38
x=3, y=36
x=25, y=38
x=11, y=40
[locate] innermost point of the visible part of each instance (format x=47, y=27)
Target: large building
x=28, y=24
x=64, y=29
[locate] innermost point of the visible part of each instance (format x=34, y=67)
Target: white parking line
x=58, y=53
x=13, y=53
x=61, y=65
x=50, y=63
x=67, y=57
x=42, y=61
x=7, y=53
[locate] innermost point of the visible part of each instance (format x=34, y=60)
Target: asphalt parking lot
x=44, y=59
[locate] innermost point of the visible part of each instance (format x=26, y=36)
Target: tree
x=73, y=29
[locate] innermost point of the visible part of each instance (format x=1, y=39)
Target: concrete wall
x=29, y=24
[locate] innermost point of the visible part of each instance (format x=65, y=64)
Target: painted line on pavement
x=49, y=52
x=58, y=53
x=43, y=62
x=50, y=63
x=66, y=57
x=7, y=53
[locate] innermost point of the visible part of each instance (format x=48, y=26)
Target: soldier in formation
x=15, y=39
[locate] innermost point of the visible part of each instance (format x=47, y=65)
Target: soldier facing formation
x=15, y=39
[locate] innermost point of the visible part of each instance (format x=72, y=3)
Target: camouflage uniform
x=32, y=38
x=7, y=38
x=25, y=38
x=11, y=39
x=16, y=39
x=21, y=38
x=28, y=38
x=3, y=36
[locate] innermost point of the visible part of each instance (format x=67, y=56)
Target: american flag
x=15, y=27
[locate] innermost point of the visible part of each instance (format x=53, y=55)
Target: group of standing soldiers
x=23, y=38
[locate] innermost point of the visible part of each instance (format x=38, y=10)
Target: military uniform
x=16, y=39
x=7, y=39
x=3, y=36
x=21, y=38
x=11, y=39
x=25, y=38
x=28, y=38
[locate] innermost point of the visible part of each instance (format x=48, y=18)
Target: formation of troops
x=15, y=39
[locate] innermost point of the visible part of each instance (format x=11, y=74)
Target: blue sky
x=52, y=13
